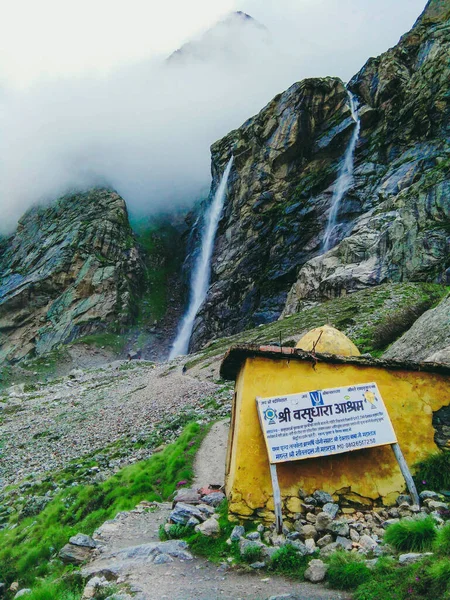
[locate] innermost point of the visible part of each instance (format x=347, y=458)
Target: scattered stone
x=331, y=509
x=316, y=571
x=258, y=565
x=354, y=535
x=404, y=498
x=323, y=520
x=329, y=549
x=436, y=505
x=412, y=557
x=193, y=522
x=429, y=495
x=339, y=528
x=187, y=496
x=214, y=498
x=322, y=497
x=299, y=546
x=23, y=592
x=311, y=517
x=344, y=542
x=237, y=533
x=388, y=522
x=367, y=543
x=254, y=535
x=245, y=545
x=210, y=527
x=85, y=541
x=310, y=545
x=324, y=541
x=183, y=512
x=14, y=586
x=308, y=531
x=76, y=555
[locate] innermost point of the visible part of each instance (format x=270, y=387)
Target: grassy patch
x=411, y=536
x=442, y=541
x=287, y=561
x=347, y=571
x=111, y=341
x=27, y=551
x=433, y=473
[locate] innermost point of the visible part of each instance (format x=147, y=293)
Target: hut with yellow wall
x=411, y=393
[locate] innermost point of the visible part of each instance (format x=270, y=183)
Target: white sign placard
x=324, y=422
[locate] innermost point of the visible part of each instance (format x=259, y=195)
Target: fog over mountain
x=145, y=129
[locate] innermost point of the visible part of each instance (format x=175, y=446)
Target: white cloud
x=146, y=128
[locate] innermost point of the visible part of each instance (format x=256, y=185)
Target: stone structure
x=412, y=394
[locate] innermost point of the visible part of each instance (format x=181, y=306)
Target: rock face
x=69, y=270
x=428, y=339
x=393, y=222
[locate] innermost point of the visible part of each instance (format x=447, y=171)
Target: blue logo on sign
x=316, y=398
x=270, y=415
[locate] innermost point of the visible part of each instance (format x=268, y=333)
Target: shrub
x=411, y=536
x=374, y=589
x=433, y=472
x=178, y=531
x=438, y=577
x=346, y=571
x=287, y=561
x=442, y=541
x=252, y=553
x=51, y=590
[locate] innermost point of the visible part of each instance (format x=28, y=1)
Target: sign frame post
x=276, y=498
x=406, y=473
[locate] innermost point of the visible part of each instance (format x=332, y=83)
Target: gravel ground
x=44, y=429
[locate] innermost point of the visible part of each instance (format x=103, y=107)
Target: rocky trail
x=130, y=552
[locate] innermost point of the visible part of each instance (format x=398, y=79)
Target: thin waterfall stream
x=202, y=269
x=345, y=177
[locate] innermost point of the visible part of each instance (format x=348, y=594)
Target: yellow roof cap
x=329, y=341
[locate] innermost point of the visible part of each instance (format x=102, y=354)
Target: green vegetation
x=27, y=549
x=111, y=341
x=347, y=571
x=433, y=473
x=252, y=553
x=52, y=590
x=287, y=561
x=360, y=316
x=412, y=536
x=442, y=541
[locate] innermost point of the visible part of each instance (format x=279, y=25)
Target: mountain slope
x=393, y=222
x=69, y=270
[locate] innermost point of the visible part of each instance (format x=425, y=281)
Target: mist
x=145, y=129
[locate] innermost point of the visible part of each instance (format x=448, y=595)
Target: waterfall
x=345, y=177
x=202, y=269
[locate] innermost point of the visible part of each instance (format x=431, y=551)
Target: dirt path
x=128, y=549
x=209, y=466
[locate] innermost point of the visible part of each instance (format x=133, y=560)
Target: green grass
x=111, y=341
x=433, y=473
x=347, y=571
x=252, y=553
x=442, y=541
x=359, y=315
x=287, y=561
x=25, y=551
x=411, y=536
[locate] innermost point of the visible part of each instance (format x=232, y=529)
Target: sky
x=87, y=99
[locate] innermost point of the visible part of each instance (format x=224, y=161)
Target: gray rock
x=213, y=499
x=428, y=494
x=436, y=505
x=322, y=497
x=147, y=552
x=183, y=512
x=245, y=545
x=367, y=543
x=325, y=540
x=254, y=535
x=322, y=521
x=329, y=549
x=23, y=592
x=80, y=539
x=331, y=509
x=310, y=545
x=237, y=533
x=76, y=555
x=354, y=535
x=299, y=546
x=187, y=496
x=258, y=565
x=412, y=557
x=339, y=528
x=316, y=571
x=404, y=498
x=210, y=527
x=344, y=542
x=162, y=559
x=193, y=522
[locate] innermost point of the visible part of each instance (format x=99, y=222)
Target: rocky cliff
x=70, y=269
x=394, y=221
